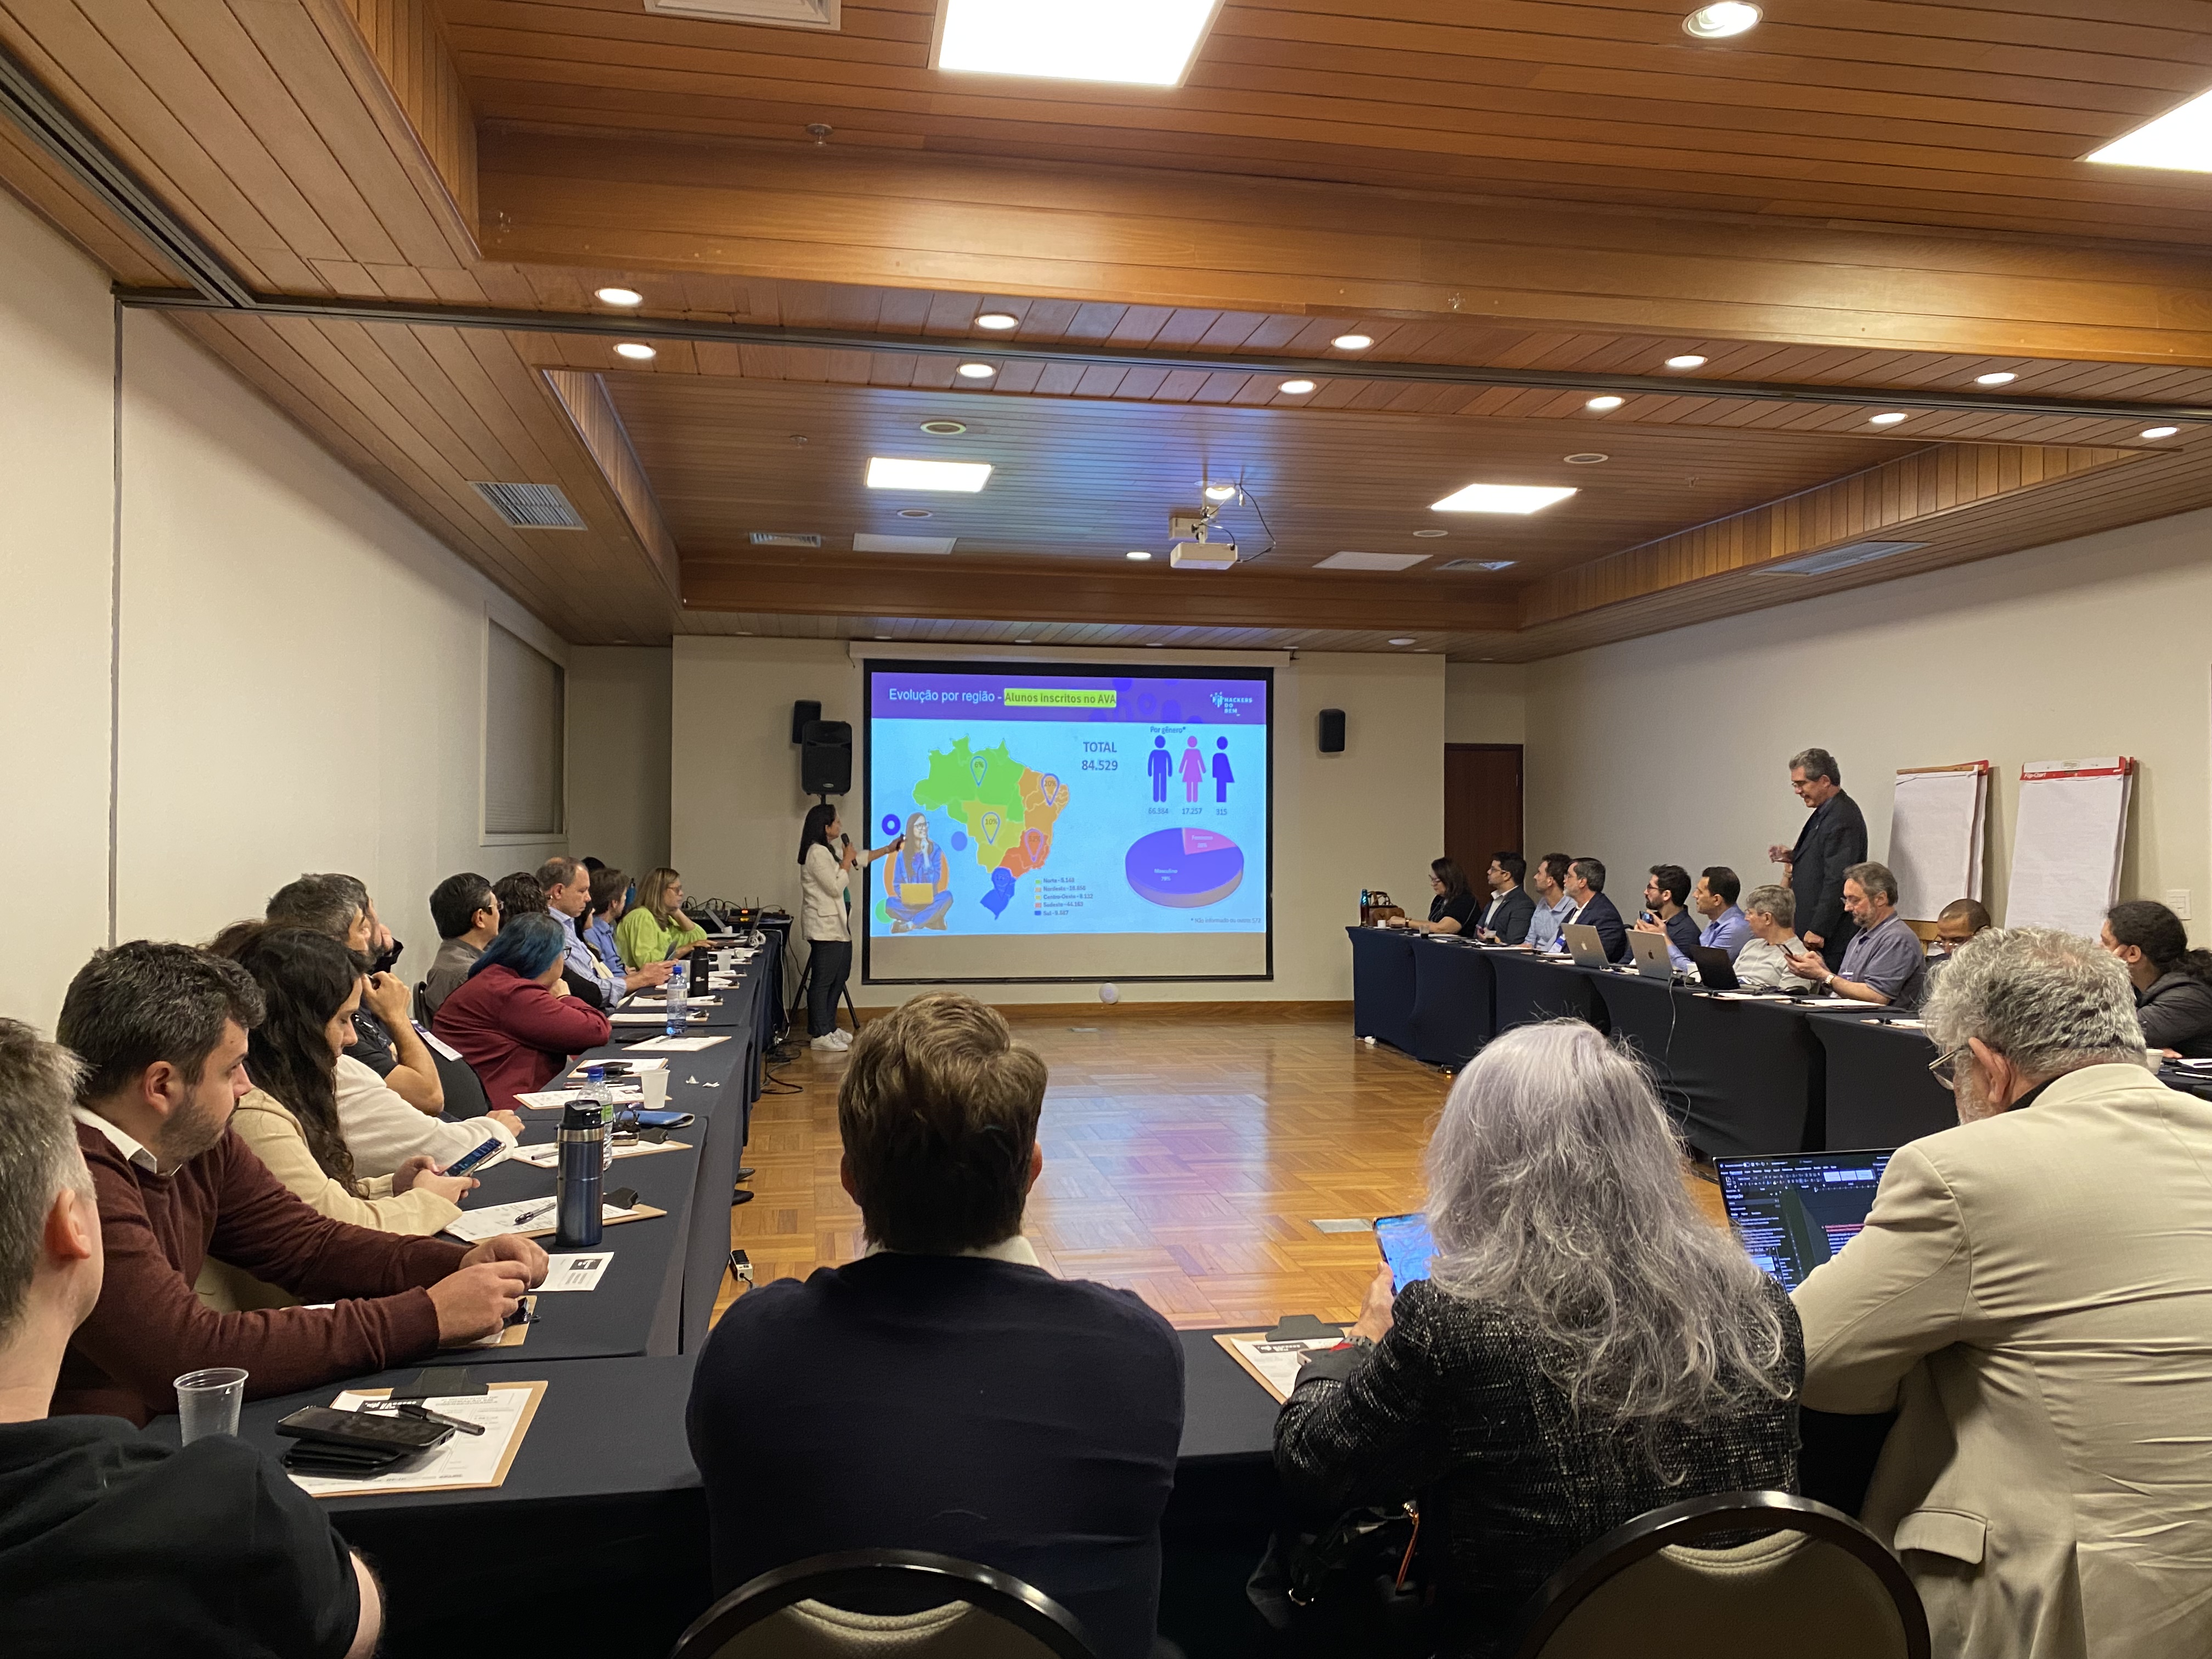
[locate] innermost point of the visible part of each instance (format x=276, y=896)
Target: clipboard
x=323, y=1487
x=636, y=1212
x=1297, y=1333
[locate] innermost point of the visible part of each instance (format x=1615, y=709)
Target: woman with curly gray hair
x=1586, y=1346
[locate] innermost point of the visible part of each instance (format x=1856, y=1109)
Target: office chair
x=1817, y=1585
x=802, y=1612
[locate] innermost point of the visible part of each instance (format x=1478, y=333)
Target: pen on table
x=531, y=1215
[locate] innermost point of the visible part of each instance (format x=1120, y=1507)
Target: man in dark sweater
x=946, y=1393
x=109, y=1541
x=161, y=1031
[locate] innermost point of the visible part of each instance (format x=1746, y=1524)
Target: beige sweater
x=268, y=1126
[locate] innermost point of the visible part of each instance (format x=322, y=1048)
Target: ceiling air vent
x=1476, y=564
x=777, y=14
x=1838, y=558
x=783, y=539
x=530, y=506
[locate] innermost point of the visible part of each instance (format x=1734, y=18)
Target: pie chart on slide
x=1185, y=868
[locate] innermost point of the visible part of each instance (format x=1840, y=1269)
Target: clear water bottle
x=599, y=1100
x=680, y=999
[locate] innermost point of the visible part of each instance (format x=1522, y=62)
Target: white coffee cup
x=655, y=1084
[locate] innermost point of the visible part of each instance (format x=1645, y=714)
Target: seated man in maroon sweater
x=161, y=1031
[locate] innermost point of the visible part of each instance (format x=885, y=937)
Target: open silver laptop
x=1584, y=945
x=1649, y=951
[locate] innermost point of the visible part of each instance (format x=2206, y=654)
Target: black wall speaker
x=803, y=714
x=1331, y=730
x=825, y=758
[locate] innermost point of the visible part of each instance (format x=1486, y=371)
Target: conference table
x=1744, y=1074
x=596, y=1541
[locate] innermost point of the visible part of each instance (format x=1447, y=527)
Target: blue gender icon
x=1002, y=891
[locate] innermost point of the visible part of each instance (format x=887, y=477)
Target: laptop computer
x=1793, y=1211
x=1715, y=969
x=1649, y=952
x=1584, y=945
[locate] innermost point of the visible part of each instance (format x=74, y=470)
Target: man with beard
x=161, y=1029
x=385, y=1038
x=2032, y=1296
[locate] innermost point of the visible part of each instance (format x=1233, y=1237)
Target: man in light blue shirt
x=568, y=887
x=1553, y=906
x=1726, y=928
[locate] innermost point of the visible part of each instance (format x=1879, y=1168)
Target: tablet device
x=1405, y=1246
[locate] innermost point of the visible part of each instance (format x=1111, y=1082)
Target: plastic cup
x=655, y=1084
x=208, y=1402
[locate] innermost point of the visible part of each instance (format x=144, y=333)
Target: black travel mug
x=576, y=1178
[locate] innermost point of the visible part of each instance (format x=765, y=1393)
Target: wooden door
x=1482, y=805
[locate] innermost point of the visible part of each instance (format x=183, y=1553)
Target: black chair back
x=1838, y=1593
x=912, y=1579
x=464, y=1090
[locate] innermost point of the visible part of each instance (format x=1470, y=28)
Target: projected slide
x=1067, y=823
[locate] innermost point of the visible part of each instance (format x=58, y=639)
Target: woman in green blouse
x=656, y=929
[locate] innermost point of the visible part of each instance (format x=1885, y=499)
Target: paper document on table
x=660, y=998
x=1275, y=1365
x=552, y=1100
x=652, y=1017
x=547, y=1156
x=462, y=1461
x=684, y=1045
x=579, y=1271
x=532, y=1217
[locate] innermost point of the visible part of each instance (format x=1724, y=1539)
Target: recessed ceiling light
x=1687, y=359
x=1220, y=492
x=1502, y=498
x=1000, y=320
x=1432, y=532
x=1890, y=419
x=635, y=352
x=1586, y=458
x=914, y=512
x=1605, y=402
x=1352, y=342
x=883, y=636
x=1148, y=43
x=1403, y=641
x=1136, y=553
x=942, y=428
x=1153, y=645
x=620, y=296
x=977, y=371
x=1024, y=642
x=2180, y=139
x=1721, y=19
x=1296, y=388
x=2160, y=431
x=2002, y=377
x=890, y=472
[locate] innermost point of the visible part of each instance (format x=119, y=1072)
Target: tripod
x=798, y=993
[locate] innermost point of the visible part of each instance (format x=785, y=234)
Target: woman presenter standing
x=827, y=861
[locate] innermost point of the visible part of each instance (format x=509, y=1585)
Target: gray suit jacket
x=2033, y=1294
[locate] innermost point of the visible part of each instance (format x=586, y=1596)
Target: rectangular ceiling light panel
x=2180, y=139
x=776, y=14
x=1145, y=43
x=1371, y=560
x=891, y=473
x=1503, y=498
x=1838, y=558
x=866, y=544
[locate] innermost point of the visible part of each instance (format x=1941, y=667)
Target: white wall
x=1485, y=702
x=618, y=754
x=299, y=666
x=1675, y=747
x=1371, y=816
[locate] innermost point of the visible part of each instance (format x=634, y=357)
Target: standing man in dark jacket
x=1833, y=839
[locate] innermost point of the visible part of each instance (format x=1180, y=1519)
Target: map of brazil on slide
x=1009, y=811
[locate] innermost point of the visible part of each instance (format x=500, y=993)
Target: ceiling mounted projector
x=1203, y=555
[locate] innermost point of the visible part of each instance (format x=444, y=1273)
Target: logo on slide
x=1185, y=869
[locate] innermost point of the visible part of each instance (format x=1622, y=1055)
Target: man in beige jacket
x=2032, y=1294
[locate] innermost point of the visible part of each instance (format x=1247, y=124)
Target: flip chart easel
x=2066, y=857
x=1936, y=829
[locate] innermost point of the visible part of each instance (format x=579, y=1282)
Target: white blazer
x=2033, y=1294
x=823, y=905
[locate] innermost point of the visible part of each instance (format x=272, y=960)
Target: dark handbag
x=1351, y=1588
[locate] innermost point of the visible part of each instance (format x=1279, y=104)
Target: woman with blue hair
x=513, y=1019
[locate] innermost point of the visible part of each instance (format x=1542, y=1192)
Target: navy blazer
x=970, y=1406
x=1612, y=931
x=1834, y=838
x=1513, y=915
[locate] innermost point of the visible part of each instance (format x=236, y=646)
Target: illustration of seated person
x=919, y=893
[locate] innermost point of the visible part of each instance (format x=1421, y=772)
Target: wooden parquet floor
x=1185, y=1158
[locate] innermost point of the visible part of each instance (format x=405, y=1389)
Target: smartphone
x=469, y=1160
x=1406, y=1246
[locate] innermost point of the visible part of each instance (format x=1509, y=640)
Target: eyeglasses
x=1944, y=1068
